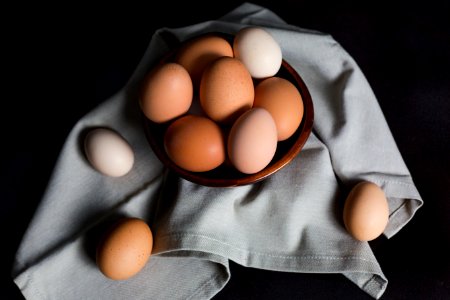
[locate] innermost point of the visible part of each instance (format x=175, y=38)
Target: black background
x=66, y=63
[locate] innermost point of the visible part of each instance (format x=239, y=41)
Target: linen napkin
x=288, y=222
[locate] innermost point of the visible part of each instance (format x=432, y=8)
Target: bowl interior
x=226, y=175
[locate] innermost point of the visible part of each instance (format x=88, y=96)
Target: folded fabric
x=289, y=222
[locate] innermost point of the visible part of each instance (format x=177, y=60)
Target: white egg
x=259, y=52
x=108, y=152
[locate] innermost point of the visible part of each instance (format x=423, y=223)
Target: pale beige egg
x=108, y=152
x=366, y=211
x=252, y=141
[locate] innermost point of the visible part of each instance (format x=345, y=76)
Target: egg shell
x=166, y=93
x=196, y=54
x=226, y=90
x=366, y=211
x=195, y=143
x=252, y=141
x=284, y=102
x=108, y=152
x=258, y=50
x=125, y=249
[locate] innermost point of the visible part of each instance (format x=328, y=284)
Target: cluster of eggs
x=256, y=118
x=223, y=102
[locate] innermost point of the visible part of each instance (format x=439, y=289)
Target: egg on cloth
x=366, y=211
x=108, y=152
x=125, y=249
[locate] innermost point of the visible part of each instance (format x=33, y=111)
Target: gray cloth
x=289, y=222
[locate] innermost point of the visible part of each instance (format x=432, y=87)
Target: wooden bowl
x=226, y=175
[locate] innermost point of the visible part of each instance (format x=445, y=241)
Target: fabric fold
x=289, y=222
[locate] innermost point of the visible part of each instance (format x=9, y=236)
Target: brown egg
x=166, y=93
x=195, y=143
x=284, y=102
x=366, y=211
x=125, y=249
x=195, y=55
x=226, y=90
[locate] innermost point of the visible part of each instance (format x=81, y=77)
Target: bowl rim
x=201, y=178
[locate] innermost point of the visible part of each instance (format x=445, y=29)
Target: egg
x=125, y=249
x=258, y=50
x=108, y=152
x=284, y=102
x=226, y=90
x=366, y=211
x=195, y=143
x=196, y=54
x=252, y=141
x=166, y=93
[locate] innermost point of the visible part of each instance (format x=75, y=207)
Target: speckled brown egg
x=195, y=143
x=125, y=249
x=366, y=211
x=226, y=90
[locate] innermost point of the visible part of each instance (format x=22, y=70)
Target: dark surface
x=404, y=51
